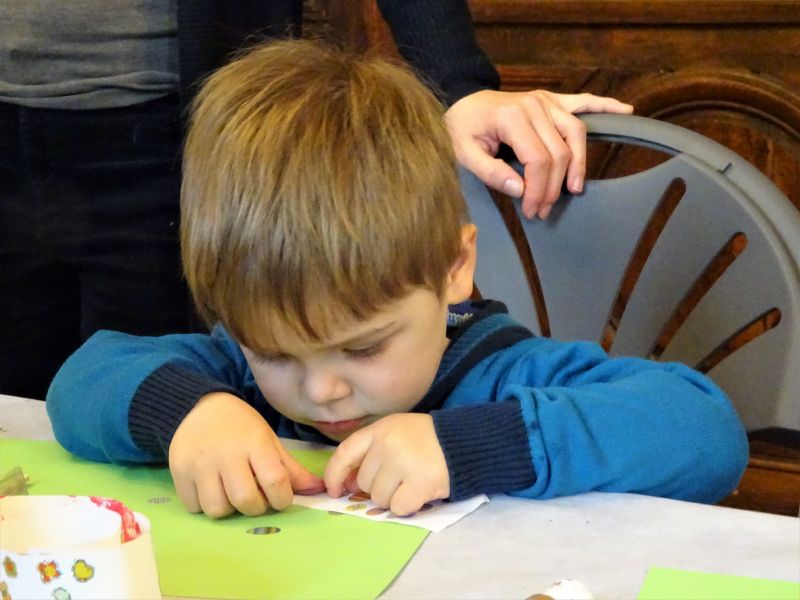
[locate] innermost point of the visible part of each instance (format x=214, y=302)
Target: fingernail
x=512, y=187
x=545, y=212
x=577, y=185
x=311, y=490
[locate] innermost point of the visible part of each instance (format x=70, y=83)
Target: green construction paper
x=676, y=584
x=315, y=555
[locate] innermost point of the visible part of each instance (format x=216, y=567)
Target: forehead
x=276, y=334
x=279, y=335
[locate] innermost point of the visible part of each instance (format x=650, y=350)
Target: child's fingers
x=406, y=500
x=187, y=492
x=351, y=482
x=302, y=480
x=384, y=486
x=243, y=491
x=273, y=477
x=347, y=458
x=212, y=497
x=371, y=466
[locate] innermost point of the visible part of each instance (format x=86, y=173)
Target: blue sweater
x=514, y=413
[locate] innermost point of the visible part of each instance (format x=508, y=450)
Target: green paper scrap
x=315, y=554
x=676, y=584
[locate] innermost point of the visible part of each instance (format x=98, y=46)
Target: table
x=513, y=548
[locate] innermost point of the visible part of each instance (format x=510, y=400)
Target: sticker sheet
x=433, y=516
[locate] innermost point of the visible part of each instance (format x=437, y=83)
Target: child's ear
x=460, y=277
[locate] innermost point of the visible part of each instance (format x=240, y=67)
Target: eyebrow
x=379, y=332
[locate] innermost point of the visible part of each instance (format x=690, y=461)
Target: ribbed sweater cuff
x=486, y=448
x=162, y=402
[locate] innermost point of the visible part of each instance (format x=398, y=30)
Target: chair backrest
x=696, y=260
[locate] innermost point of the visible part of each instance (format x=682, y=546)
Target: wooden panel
x=771, y=482
x=767, y=490
x=634, y=11
x=729, y=69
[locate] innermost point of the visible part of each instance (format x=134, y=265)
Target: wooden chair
x=696, y=260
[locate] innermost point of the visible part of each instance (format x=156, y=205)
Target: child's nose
x=323, y=386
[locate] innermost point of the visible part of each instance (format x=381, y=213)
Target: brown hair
x=318, y=185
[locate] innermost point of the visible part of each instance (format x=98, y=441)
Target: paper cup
x=70, y=547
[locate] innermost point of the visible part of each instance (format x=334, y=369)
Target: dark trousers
x=88, y=233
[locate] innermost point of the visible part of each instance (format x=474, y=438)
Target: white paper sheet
x=435, y=516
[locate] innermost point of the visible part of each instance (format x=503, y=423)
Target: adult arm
x=437, y=39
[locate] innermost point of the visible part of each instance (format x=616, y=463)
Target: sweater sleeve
x=119, y=398
x=564, y=418
x=437, y=39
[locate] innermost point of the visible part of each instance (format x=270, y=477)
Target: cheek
x=276, y=386
x=407, y=377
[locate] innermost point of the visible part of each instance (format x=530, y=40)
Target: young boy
x=325, y=235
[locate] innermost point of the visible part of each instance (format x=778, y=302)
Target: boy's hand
x=224, y=457
x=399, y=462
x=541, y=129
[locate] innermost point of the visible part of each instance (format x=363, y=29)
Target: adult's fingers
x=494, y=172
x=573, y=132
x=528, y=129
x=550, y=173
x=583, y=103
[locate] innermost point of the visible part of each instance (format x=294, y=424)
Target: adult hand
x=224, y=457
x=541, y=129
x=399, y=462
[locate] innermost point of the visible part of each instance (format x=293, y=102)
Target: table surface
x=513, y=548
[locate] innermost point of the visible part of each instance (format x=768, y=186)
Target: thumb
x=494, y=172
x=303, y=481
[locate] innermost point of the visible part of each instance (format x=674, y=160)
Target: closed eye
x=366, y=352
x=273, y=358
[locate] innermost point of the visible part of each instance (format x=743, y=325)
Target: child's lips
x=338, y=427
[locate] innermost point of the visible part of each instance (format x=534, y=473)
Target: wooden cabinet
x=729, y=69
x=771, y=482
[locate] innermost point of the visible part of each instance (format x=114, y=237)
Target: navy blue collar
x=476, y=330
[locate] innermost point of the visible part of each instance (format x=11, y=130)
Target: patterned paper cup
x=70, y=547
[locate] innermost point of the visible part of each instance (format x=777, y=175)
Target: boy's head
x=320, y=190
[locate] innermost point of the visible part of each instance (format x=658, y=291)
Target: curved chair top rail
x=673, y=139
